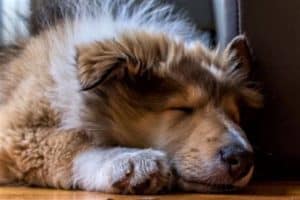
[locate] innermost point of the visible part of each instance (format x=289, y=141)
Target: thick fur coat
x=121, y=97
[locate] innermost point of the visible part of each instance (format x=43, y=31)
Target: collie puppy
x=121, y=96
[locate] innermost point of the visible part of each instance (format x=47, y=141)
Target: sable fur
x=115, y=74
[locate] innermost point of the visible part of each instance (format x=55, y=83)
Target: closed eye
x=187, y=110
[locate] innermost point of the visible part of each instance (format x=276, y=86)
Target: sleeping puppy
x=122, y=97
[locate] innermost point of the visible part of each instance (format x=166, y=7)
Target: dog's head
x=184, y=99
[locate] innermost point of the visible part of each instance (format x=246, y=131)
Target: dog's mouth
x=210, y=187
x=194, y=186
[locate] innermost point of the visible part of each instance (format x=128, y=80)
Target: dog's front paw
x=141, y=172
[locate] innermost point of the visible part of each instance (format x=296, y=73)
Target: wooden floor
x=256, y=191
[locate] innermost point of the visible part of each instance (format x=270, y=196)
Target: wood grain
x=256, y=191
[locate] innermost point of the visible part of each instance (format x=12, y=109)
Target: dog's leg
x=61, y=159
x=41, y=156
x=122, y=170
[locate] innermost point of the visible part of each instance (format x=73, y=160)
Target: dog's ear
x=99, y=62
x=112, y=59
x=239, y=46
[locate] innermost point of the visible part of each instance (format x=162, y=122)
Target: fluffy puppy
x=121, y=97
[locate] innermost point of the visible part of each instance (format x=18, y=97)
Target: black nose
x=238, y=160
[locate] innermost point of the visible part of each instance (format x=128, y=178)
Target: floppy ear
x=98, y=62
x=113, y=59
x=239, y=46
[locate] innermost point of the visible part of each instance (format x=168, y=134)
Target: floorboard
x=255, y=191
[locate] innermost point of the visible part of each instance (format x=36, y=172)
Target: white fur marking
x=89, y=172
x=240, y=138
x=98, y=169
x=66, y=95
x=238, y=134
x=14, y=15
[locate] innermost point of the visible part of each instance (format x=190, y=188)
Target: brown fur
x=142, y=91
